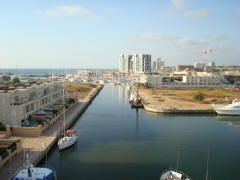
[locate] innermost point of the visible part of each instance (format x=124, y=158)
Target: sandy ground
x=182, y=99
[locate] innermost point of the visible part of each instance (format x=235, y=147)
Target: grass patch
x=83, y=89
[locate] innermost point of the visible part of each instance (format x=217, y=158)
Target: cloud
x=187, y=41
x=156, y=37
x=179, y=3
x=211, y=41
x=69, y=11
x=196, y=14
x=216, y=37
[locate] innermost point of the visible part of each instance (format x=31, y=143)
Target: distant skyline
x=93, y=33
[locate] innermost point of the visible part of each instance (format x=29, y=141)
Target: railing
x=30, y=100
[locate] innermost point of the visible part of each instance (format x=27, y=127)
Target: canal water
x=120, y=143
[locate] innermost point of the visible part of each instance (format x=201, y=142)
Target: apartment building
x=209, y=81
x=158, y=65
x=188, y=81
x=17, y=103
x=136, y=63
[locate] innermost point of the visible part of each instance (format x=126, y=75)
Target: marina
x=39, y=146
x=137, y=144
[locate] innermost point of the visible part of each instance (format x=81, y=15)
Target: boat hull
x=174, y=175
x=66, y=142
x=228, y=112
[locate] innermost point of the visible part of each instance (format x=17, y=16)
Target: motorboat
x=230, y=109
x=69, y=138
x=172, y=174
x=35, y=173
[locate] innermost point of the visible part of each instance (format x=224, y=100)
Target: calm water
x=116, y=142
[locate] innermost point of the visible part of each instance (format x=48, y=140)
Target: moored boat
x=230, y=109
x=68, y=139
x=173, y=174
x=70, y=136
x=35, y=173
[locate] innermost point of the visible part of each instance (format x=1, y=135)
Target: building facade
x=136, y=63
x=159, y=64
x=199, y=65
x=206, y=81
x=18, y=103
x=184, y=67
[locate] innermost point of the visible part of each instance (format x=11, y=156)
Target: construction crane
x=205, y=51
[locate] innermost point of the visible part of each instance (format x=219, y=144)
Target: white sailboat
x=174, y=174
x=69, y=137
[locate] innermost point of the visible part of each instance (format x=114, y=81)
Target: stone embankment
x=37, y=147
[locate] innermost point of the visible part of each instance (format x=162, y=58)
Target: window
x=3, y=101
x=13, y=113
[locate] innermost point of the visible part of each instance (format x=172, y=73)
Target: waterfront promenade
x=37, y=147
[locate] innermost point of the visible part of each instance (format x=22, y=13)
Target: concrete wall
x=27, y=131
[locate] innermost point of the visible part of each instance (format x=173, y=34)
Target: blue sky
x=93, y=33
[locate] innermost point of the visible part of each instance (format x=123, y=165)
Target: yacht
x=35, y=173
x=70, y=136
x=68, y=139
x=230, y=109
x=173, y=174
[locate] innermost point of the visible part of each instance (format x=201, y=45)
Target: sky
x=93, y=33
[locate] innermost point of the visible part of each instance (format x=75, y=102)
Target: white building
x=16, y=104
x=136, y=63
x=199, y=65
x=122, y=63
x=206, y=81
x=159, y=64
x=211, y=64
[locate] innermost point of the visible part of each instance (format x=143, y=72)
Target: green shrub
x=3, y=153
x=2, y=127
x=15, y=80
x=199, y=96
x=13, y=146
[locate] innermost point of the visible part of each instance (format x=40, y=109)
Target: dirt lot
x=183, y=98
x=81, y=89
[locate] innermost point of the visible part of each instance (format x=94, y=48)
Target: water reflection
x=137, y=121
x=123, y=92
x=230, y=120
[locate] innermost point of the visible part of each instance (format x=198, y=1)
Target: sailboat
x=29, y=172
x=174, y=174
x=69, y=136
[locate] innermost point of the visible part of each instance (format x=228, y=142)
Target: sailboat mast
x=207, y=166
x=63, y=109
x=177, y=159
